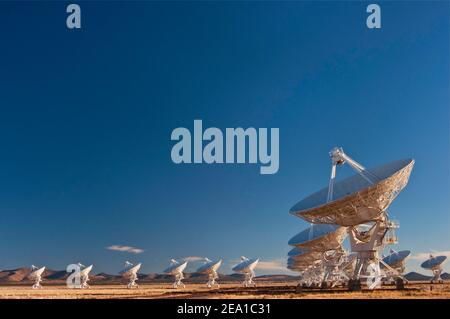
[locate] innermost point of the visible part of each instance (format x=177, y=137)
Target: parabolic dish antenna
x=394, y=265
x=434, y=263
x=307, y=257
x=296, y=251
x=320, y=237
x=130, y=272
x=84, y=275
x=303, y=265
x=298, y=268
x=176, y=269
x=355, y=200
x=210, y=268
x=36, y=275
x=358, y=204
x=247, y=267
x=396, y=259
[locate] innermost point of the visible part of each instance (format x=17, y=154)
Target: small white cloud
x=193, y=258
x=426, y=255
x=127, y=249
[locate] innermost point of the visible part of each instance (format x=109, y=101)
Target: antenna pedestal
x=178, y=281
x=84, y=282
x=367, y=245
x=437, y=271
x=37, y=283
x=132, y=283
x=248, y=282
x=212, y=280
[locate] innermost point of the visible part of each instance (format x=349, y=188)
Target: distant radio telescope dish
x=176, y=269
x=320, y=237
x=394, y=264
x=396, y=259
x=84, y=275
x=36, y=275
x=247, y=267
x=434, y=263
x=355, y=200
x=210, y=268
x=130, y=272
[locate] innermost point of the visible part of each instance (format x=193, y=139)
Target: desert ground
x=264, y=290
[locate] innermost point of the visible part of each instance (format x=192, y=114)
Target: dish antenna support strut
x=338, y=157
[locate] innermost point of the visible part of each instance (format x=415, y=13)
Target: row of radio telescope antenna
x=176, y=269
x=355, y=207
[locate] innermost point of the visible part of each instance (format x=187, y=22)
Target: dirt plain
x=421, y=290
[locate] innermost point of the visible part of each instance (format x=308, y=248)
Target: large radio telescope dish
x=176, y=269
x=210, y=268
x=36, y=275
x=305, y=259
x=298, y=260
x=247, y=267
x=434, y=263
x=355, y=200
x=296, y=251
x=130, y=272
x=320, y=237
x=308, y=257
x=362, y=198
x=298, y=268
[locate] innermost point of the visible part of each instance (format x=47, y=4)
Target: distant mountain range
x=415, y=276
x=17, y=276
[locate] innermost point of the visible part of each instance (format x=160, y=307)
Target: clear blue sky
x=86, y=118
